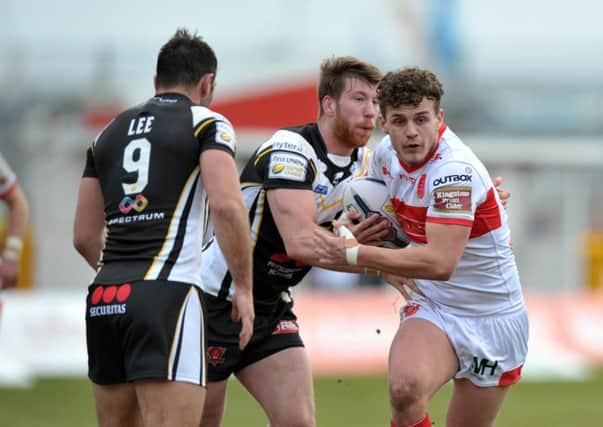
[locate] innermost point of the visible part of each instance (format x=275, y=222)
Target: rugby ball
x=367, y=196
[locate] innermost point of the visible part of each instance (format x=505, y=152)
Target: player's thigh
x=215, y=399
x=473, y=406
x=421, y=358
x=282, y=384
x=116, y=405
x=170, y=403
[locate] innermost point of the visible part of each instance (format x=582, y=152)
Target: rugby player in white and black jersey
x=291, y=186
x=469, y=323
x=149, y=179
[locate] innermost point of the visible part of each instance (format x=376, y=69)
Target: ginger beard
x=355, y=136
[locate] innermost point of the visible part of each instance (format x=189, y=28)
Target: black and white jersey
x=292, y=158
x=147, y=162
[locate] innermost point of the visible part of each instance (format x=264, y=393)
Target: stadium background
x=523, y=88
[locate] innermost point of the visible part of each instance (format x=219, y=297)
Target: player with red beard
x=291, y=185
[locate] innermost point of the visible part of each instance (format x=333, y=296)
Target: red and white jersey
x=8, y=179
x=453, y=187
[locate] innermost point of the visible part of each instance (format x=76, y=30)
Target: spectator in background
x=18, y=214
x=469, y=323
x=150, y=177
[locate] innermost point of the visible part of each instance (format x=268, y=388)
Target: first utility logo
x=109, y=300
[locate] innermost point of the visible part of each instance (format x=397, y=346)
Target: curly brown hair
x=334, y=71
x=408, y=86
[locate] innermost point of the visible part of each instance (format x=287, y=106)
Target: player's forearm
x=90, y=249
x=232, y=230
x=417, y=262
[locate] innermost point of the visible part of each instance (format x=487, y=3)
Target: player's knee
x=302, y=416
x=406, y=392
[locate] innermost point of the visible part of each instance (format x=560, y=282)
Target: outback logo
x=111, y=298
x=450, y=179
x=278, y=168
x=215, y=355
x=139, y=204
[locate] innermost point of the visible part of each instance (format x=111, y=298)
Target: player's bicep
x=220, y=176
x=293, y=210
x=447, y=242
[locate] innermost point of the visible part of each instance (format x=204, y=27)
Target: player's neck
x=190, y=94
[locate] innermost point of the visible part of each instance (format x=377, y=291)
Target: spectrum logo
x=139, y=203
x=112, y=300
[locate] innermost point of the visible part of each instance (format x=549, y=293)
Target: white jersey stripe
x=190, y=357
x=176, y=339
x=168, y=243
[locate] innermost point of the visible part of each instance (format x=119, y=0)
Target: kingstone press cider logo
x=109, y=300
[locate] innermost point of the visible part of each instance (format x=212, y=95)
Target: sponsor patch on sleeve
x=290, y=166
x=225, y=135
x=452, y=199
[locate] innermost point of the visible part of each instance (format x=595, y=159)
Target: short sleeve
x=217, y=134
x=90, y=168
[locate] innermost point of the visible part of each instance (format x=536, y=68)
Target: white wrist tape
x=344, y=218
x=12, y=248
x=14, y=243
x=351, y=244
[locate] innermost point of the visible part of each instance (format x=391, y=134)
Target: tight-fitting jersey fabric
x=453, y=187
x=293, y=158
x=8, y=179
x=147, y=162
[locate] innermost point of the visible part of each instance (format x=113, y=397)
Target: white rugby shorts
x=491, y=350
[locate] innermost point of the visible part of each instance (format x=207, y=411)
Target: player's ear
x=440, y=116
x=155, y=82
x=329, y=105
x=207, y=85
x=383, y=125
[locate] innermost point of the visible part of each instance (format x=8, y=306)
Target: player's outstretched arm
x=89, y=224
x=231, y=225
x=18, y=211
x=436, y=260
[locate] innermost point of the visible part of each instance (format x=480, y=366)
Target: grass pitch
x=340, y=401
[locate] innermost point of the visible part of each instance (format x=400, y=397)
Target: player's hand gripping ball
x=368, y=196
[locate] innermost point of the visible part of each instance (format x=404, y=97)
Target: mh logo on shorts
x=111, y=298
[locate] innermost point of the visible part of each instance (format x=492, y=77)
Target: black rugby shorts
x=145, y=329
x=274, y=330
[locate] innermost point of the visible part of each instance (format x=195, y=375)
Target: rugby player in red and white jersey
x=18, y=214
x=469, y=323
